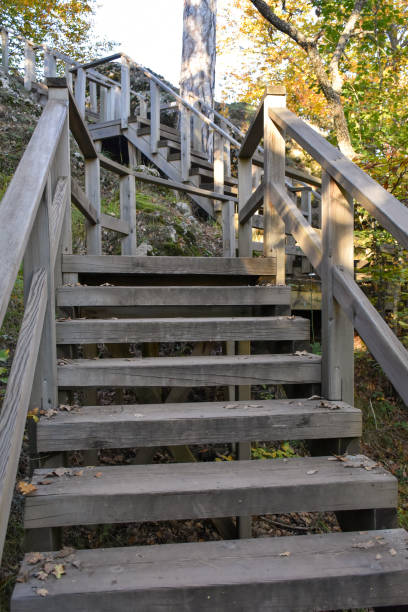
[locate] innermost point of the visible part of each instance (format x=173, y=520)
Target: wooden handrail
x=381, y=204
x=19, y=205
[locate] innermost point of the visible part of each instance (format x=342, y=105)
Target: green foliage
x=269, y=452
x=4, y=355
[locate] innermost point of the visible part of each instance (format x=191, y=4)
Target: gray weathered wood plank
x=196, y=423
x=320, y=572
x=94, y=331
x=18, y=393
x=201, y=490
x=252, y=204
x=389, y=211
x=81, y=201
x=208, y=371
x=115, y=224
x=172, y=296
x=120, y=264
x=20, y=203
x=57, y=215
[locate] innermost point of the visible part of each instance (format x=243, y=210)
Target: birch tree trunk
x=197, y=77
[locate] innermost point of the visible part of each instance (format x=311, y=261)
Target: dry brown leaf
x=310, y=472
x=378, y=556
x=79, y=473
x=393, y=552
x=48, y=567
x=42, y=575
x=34, y=557
x=98, y=475
x=60, y=472
x=26, y=488
x=44, y=482
x=364, y=545
x=64, y=552
x=285, y=554
x=42, y=592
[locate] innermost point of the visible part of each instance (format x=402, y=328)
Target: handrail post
x=50, y=64
x=93, y=96
x=227, y=151
x=80, y=87
x=154, y=117
x=68, y=75
x=185, y=135
x=93, y=192
x=228, y=208
x=4, y=51
x=274, y=173
x=337, y=330
x=128, y=204
x=244, y=193
x=29, y=65
x=125, y=92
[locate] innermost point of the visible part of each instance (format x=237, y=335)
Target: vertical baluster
x=80, y=90
x=197, y=136
x=4, y=50
x=185, y=135
x=103, y=105
x=29, y=65
x=93, y=191
x=227, y=150
x=337, y=330
x=93, y=96
x=68, y=75
x=125, y=93
x=128, y=204
x=50, y=64
x=117, y=102
x=154, y=117
x=274, y=173
x=228, y=208
x=143, y=107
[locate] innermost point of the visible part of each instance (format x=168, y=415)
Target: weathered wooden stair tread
x=309, y=572
x=157, y=492
x=181, y=329
x=126, y=426
x=213, y=370
x=173, y=296
x=128, y=264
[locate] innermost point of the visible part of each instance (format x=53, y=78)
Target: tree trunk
x=197, y=78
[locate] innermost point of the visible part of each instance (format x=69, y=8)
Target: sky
x=149, y=31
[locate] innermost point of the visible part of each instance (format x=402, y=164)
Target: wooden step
x=173, y=296
x=228, y=180
x=195, y=161
x=196, y=423
x=121, y=494
x=232, y=191
x=93, y=331
x=176, y=146
x=128, y=264
x=210, y=371
x=309, y=572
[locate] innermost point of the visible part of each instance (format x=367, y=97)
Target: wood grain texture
x=15, y=405
x=172, y=296
x=81, y=201
x=321, y=572
x=80, y=131
x=253, y=135
x=252, y=205
x=147, y=425
x=214, y=329
x=389, y=211
x=121, y=170
x=113, y=223
x=202, y=490
x=57, y=215
x=245, y=266
x=20, y=203
x=209, y=371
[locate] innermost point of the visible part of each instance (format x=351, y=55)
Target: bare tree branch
x=281, y=24
x=342, y=42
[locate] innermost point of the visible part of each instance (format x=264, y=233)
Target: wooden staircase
x=235, y=314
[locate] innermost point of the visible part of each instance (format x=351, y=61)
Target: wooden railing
x=331, y=252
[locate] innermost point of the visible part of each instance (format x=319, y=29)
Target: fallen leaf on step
x=26, y=487
x=231, y=406
x=48, y=567
x=371, y=467
x=393, y=552
x=42, y=575
x=64, y=552
x=76, y=563
x=58, y=571
x=332, y=459
x=60, y=472
x=314, y=397
x=285, y=554
x=138, y=415
x=98, y=475
x=310, y=472
x=45, y=482
x=378, y=557
x=42, y=592
x=79, y=473
x=34, y=557
x=364, y=545
x=301, y=353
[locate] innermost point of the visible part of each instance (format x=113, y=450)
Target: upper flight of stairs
x=150, y=300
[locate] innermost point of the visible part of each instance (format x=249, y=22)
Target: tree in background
x=372, y=89
x=197, y=78
x=64, y=24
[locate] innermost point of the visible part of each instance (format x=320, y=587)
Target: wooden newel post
x=80, y=87
x=124, y=92
x=154, y=117
x=337, y=330
x=185, y=135
x=274, y=174
x=29, y=65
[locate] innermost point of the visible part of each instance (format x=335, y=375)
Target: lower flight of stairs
x=365, y=566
